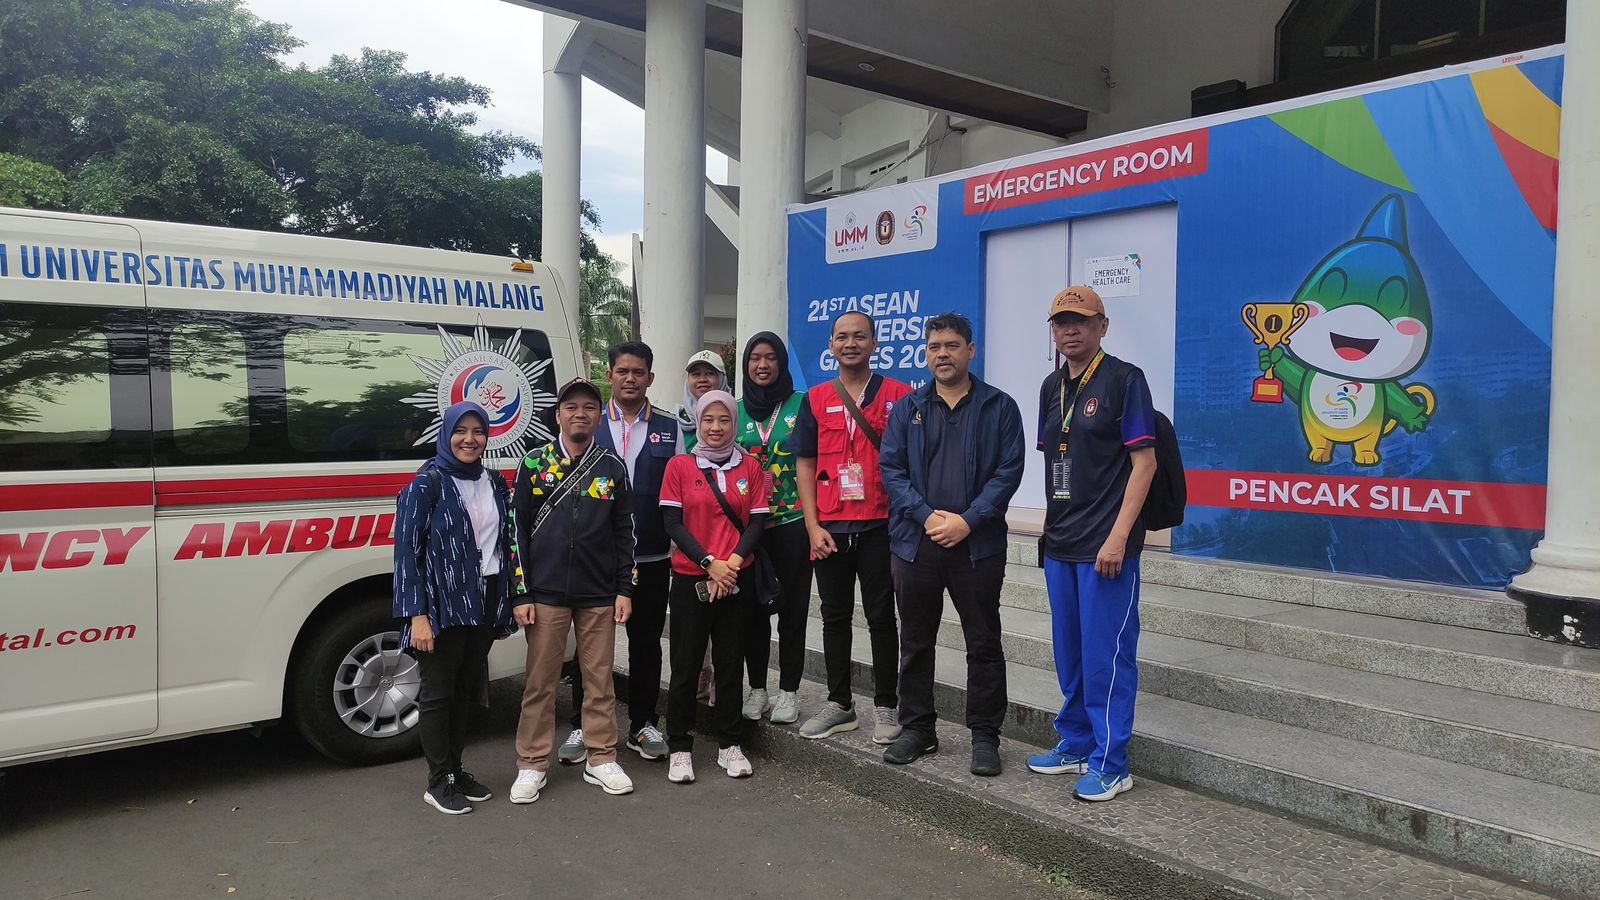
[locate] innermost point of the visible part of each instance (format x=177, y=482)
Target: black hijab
x=761, y=399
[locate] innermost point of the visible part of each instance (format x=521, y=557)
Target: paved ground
x=266, y=818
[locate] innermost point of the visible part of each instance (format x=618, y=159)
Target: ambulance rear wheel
x=355, y=692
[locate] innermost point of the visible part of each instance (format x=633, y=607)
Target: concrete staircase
x=1419, y=719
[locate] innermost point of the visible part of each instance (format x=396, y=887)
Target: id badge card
x=852, y=484
x=1061, y=478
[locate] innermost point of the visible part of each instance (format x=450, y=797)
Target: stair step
x=1503, y=664
x=1157, y=841
x=1554, y=744
x=1512, y=825
x=1436, y=604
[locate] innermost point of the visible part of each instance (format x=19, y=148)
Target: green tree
x=605, y=311
x=184, y=110
x=24, y=182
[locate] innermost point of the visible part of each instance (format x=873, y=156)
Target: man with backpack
x=1098, y=433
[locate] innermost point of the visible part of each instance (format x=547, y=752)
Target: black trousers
x=789, y=548
x=975, y=590
x=862, y=557
x=644, y=649
x=723, y=623
x=451, y=678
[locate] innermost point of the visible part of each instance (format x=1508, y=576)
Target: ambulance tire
x=315, y=711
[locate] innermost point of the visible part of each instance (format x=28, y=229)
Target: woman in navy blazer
x=455, y=567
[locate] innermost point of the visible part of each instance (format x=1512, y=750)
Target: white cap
x=709, y=358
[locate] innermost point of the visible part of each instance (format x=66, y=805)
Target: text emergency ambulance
x=202, y=433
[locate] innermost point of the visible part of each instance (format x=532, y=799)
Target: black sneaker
x=470, y=787
x=985, y=759
x=447, y=798
x=910, y=746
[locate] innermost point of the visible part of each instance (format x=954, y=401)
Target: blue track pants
x=1095, y=624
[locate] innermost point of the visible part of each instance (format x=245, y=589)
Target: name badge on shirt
x=852, y=483
x=1061, y=478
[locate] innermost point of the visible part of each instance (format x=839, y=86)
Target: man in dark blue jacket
x=953, y=456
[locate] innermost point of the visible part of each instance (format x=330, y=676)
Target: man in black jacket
x=953, y=456
x=575, y=539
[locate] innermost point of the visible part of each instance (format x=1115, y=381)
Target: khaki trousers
x=547, y=643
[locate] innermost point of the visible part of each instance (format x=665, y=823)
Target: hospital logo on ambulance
x=488, y=375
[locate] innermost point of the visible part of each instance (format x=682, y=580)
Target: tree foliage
x=184, y=110
x=605, y=311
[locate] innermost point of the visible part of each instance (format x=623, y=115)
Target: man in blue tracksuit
x=1097, y=432
x=953, y=456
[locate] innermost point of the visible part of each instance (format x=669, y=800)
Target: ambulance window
x=347, y=392
x=55, y=385
x=210, y=390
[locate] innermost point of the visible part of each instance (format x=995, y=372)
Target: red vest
x=839, y=443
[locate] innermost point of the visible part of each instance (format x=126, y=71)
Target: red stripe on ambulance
x=216, y=540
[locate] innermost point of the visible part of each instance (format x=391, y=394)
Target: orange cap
x=1077, y=299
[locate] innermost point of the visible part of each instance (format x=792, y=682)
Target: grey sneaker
x=648, y=742
x=787, y=710
x=886, y=725
x=573, y=750
x=755, y=706
x=833, y=719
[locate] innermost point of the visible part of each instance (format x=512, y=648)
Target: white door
x=1023, y=270
x=77, y=553
x=1131, y=259
x=1134, y=257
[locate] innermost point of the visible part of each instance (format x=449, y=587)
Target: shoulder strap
x=727, y=508
x=564, y=489
x=856, y=413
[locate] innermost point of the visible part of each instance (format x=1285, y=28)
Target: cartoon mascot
x=1369, y=326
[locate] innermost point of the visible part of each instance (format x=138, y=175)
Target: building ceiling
x=840, y=65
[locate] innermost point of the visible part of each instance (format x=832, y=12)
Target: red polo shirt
x=743, y=483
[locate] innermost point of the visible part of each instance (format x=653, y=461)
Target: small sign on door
x=1114, y=276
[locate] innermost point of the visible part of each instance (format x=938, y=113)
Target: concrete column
x=772, y=139
x=1562, y=590
x=672, y=291
x=563, y=116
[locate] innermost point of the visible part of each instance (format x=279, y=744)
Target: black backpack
x=1169, y=491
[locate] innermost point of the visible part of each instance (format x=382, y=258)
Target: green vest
x=776, y=456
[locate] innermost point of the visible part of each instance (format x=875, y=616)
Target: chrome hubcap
x=375, y=688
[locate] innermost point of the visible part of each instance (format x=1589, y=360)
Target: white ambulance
x=202, y=433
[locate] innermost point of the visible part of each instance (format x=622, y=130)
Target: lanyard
x=772, y=422
x=850, y=420
x=613, y=411
x=1083, y=381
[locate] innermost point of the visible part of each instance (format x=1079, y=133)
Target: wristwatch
x=706, y=561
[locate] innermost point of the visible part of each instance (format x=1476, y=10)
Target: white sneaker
x=787, y=710
x=756, y=705
x=527, y=786
x=610, y=777
x=680, y=768
x=733, y=761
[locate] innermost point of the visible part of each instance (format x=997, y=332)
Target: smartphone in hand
x=702, y=589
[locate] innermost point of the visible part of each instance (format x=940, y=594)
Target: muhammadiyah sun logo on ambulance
x=489, y=376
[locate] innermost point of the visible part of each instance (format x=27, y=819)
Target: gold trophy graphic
x=1272, y=324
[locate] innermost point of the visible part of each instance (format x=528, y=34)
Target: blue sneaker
x=1096, y=788
x=1058, y=761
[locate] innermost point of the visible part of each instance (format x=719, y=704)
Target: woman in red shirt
x=713, y=594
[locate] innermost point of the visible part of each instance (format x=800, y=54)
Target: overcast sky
x=497, y=45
